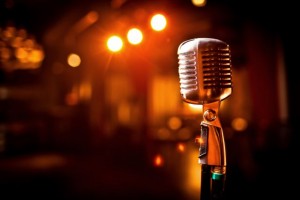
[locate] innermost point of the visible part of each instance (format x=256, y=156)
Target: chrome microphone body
x=205, y=79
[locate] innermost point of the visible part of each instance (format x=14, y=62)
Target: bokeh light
x=158, y=160
x=239, y=124
x=115, y=43
x=158, y=22
x=180, y=147
x=174, y=123
x=74, y=60
x=135, y=36
x=199, y=3
x=18, y=50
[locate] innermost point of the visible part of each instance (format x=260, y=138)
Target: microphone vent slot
x=187, y=71
x=216, y=68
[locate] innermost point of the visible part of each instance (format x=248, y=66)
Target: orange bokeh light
x=158, y=161
x=181, y=147
x=158, y=22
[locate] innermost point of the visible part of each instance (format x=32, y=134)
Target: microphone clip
x=212, y=149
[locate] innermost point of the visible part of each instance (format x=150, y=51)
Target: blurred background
x=90, y=105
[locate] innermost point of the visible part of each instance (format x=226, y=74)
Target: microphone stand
x=212, y=184
x=212, y=154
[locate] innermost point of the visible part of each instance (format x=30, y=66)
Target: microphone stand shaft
x=212, y=184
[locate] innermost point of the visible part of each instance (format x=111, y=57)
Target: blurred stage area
x=80, y=119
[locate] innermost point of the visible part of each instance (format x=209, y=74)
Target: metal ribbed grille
x=216, y=68
x=187, y=71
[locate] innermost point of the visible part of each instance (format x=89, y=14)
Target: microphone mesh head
x=204, y=70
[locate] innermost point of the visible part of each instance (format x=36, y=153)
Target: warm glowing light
x=29, y=44
x=193, y=108
x=158, y=22
x=22, y=55
x=239, y=124
x=9, y=32
x=174, y=123
x=17, y=51
x=74, y=60
x=17, y=42
x=135, y=36
x=158, y=161
x=181, y=147
x=36, y=56
x=199, y=3
x=199, y=140
x=114, y=43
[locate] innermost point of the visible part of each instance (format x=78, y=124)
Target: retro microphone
x=205, y=79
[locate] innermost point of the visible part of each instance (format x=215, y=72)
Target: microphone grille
x=216, y=67
x=204, y=70
x=188, y=71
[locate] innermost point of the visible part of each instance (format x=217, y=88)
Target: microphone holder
x=212, y=154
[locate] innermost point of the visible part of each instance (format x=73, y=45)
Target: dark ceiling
x=38, y=14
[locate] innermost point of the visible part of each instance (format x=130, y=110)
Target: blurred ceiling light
x=18, y=51
x=135, y=36
x=16, y=42
x=239, y=124
x=199, y=3
x=174, y=123
x=36, y=56
x=114, y=43
x=158, y=22
x=181, y=147
x=158, y=161
x=8, y=33
x=21, y=54
x=74, y=60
